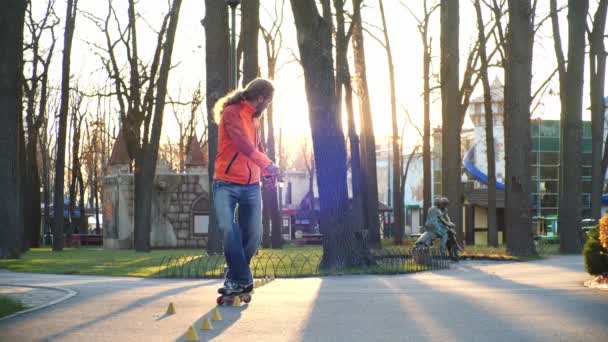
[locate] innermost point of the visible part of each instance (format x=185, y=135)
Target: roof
x=194, y=156
x=120, y=153
x=479, y=197
x=496, y=89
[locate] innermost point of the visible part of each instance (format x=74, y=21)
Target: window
x=201, y=224
x=408, y=216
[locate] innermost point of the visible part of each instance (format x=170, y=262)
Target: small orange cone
x=191, y=335
x=206, y=325
x=216, y=315
x=171, y=309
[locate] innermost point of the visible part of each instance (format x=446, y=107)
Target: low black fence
x=294, y=263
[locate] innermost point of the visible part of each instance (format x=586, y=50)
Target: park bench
x=77, y=240
x=311, y=238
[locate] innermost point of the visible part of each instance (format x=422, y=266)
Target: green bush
x=596, y=257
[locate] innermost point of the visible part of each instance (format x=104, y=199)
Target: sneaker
x=230, y=287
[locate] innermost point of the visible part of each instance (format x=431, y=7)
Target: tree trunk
x=340, y=246
x=398, y=207
x=597, y=71
x=33, y=201
x=250, y=25
x=58, y=226
x=426, y=138
x=570, y=207
x=517, y=129
x=367, y=143
x=489, y=120
x=218, y=75
x=144, y=181
x=96, y=195
x=343, y=82
x=11, y=67
x=450, y=100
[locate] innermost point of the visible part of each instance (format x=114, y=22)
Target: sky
x=291, y=112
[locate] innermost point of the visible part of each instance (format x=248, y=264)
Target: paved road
x=474, y=301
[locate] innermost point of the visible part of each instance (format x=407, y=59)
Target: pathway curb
x=68, y=294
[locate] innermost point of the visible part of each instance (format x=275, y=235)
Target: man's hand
x=270, y=179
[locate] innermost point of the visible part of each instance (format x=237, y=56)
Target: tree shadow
x=451, y=305
x=131, y=306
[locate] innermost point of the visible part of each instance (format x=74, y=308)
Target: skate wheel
x=220, y=300
x=246, y=298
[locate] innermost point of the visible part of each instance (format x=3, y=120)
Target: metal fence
x=294, y=264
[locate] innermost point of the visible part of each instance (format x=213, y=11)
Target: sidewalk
x=33, y=297
x=542, y=300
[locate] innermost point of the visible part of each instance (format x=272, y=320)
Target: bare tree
x=367, y=145
x=423, y=28
x=489, y=121
x=571, y=87
x=344, y=89
x=273, y=41
x=517, y=128
x=35, y=90
x=217, y=70
x=451, y=119
x=140, y=116
x=76, y=173
x=11, y=78
x=597, y=77
x=398, y=205
x=341, y=248
x=58, y=226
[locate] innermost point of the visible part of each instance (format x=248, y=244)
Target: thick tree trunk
x=489, y=120
x=597, y=71
x=450, y=101
x=367, y=143
x=570, y=207
x=218, y=75
x=11, y=67
x=58, y=226
x=517, y=129
x=340, y=246
x=144, y=181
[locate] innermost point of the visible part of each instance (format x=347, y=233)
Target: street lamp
x=233, y=5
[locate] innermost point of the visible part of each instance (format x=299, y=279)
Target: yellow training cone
x=237, y=301
x=216, y=315
x=171, y=309
x=191, y=335
x=206, y=325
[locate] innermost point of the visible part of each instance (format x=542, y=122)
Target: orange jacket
x=240, y=154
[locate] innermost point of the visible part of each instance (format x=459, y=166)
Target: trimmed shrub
x=603, y=233
x=596, y=256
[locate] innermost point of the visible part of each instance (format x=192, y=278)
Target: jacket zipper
x=249, y=179
x=231, y=162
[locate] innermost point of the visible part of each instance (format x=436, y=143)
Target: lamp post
x=233, y=5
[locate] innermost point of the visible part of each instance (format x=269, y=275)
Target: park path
x=542, y=300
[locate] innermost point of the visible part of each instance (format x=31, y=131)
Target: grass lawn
x=97, y=261
x=289, y=261
x=9, y=306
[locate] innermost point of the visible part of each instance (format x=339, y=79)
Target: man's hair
x=254, y=89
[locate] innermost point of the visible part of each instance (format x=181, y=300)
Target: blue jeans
x=238, y=210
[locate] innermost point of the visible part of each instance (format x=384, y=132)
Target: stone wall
x=176, y=198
